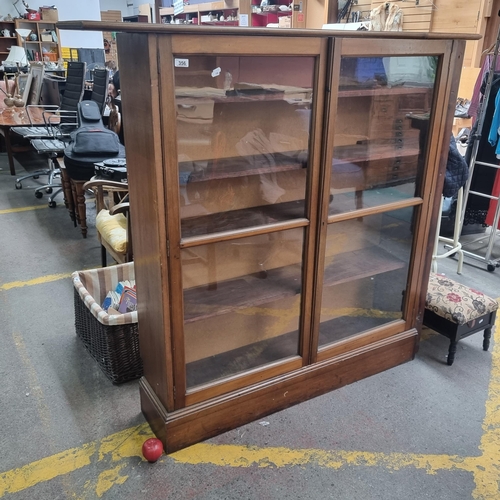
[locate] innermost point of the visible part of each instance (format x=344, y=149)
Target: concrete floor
x=420, y=431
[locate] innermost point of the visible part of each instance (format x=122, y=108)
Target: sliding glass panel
x=241, y=304
x=366, y=270
x=243, y=126
x=381, y=128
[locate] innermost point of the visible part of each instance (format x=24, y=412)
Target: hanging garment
x=377, y=18
x=457, y=171
x=476, y=95
x=386, y=17
x=490, y=216
x=495, y=123
x=394, y=21
x=483, y=177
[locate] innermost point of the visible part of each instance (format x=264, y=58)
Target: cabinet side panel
x=142, y=131
x=439, y=139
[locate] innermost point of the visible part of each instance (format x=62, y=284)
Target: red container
x=33, y=16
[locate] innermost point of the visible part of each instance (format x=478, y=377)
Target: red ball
x=152, y=449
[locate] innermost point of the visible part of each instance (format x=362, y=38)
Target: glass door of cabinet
x=244, y=129
x=376, y=190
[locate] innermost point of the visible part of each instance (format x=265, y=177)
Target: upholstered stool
x=457, y=311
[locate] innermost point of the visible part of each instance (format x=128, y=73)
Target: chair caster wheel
x=52, y=204
x=38, y=194
x=19, y=185
x=36, y=176
x=491, y=267
x=48, y=190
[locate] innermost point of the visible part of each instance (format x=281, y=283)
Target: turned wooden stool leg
x=80, y=206
x=68, y=195
x=451, y=352
x=486, y=339
x=74, y=196
x=359, y=199
x=103, y=256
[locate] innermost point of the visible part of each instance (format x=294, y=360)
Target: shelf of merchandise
x=7, y=41
x=293, y=17
x=39, y=49
x=198, y=13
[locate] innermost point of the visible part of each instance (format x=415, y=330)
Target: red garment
x=493, y=203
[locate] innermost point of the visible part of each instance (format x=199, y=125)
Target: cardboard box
x=49, y=14
x=46, y=37
x=285, y=22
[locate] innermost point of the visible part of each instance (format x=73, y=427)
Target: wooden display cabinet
x=283, y=209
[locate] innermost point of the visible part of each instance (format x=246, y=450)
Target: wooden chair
x=112, y=220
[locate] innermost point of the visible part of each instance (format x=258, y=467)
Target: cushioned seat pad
x=456, y=302
x=113, y=229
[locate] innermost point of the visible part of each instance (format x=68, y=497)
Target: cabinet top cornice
x=237, y=30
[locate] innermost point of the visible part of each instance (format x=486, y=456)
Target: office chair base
x=34, y=175
x=52, y=203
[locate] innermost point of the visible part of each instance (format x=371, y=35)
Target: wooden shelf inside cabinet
x=294, y=95
x=264, y=287
x=379, y=91
x=239, y=219
x=243, y=166
x=373, y=150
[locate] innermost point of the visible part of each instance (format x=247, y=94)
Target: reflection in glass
x=366, y=269
x=241, y=304
x=383, y=112
x=243, y=139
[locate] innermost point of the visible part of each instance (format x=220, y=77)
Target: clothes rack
x=476, y=137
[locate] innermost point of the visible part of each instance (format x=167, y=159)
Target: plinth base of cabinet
x=201, y=421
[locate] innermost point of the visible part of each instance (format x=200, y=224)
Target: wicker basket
x=112, y=340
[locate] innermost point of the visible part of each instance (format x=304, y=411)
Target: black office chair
x=100, y=83
x=58, y=123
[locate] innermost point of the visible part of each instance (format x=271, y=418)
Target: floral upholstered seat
x=456, y=302
x=457, y=311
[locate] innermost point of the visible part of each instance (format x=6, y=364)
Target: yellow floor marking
x=35, y=391
x=113, y=449
x=34, y=281
x=244, y=456
x=108, y=479
x=22, y=209
x=487, y=477
x=119, y=446
x=39, y=281
x=34, y=207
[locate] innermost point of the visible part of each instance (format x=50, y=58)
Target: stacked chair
x=58, y=123
x=51, y=139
